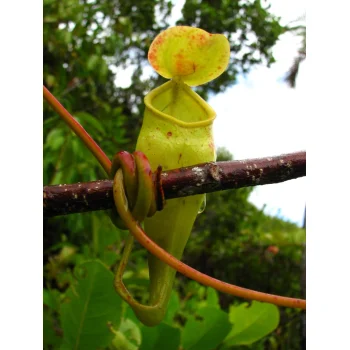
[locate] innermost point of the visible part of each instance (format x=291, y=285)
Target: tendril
x=137, y=181
x=122, y=205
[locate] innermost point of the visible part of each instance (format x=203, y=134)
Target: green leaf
x=50, y=336
x=56, y=138
x=50, y=80
x=208, y=333
x=51, y=298
x=67, y=37
x=128, y=337
x=213, y=298
x=92, y=62
x=129, y=314
x=161, y=337
x=50, y=19
x=88, y=119
x=103, y=70
x=120, y=342
x=251, y=323
x=173, y=307
x=131, y=330
x=92, y=305
x=48, y=2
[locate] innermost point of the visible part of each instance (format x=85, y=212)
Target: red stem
x=160, y=253
x=78, y=130
x=141, y=236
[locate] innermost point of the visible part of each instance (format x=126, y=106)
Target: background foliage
x=86, y=43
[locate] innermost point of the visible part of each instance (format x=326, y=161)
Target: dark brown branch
x=182, y=182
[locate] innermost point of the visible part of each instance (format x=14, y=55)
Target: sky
x=272, y=113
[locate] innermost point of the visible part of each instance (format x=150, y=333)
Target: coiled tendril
x=134, y=197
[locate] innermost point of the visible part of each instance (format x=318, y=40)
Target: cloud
x=176, y=12
x=262, y=116
x=288, y=10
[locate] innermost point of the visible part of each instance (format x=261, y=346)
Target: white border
x=328, y=170
x=21, y=175
x=328, y=209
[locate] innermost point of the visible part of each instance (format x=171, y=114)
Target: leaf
x=48, y=2
x=50, y=337
x=251, y=323
x=173, y=307
x=50, y=19
x=213, y=298
x=208, y=333
x=87, y=118
x=162, y=336
x=190, y=53
x=51, y=298
x=128, y=337
x=67, y=37
x=149, y=337
x=55, y=139
x=131, y=331
x=120, y=342
x=103, y=70
x=93, y=304
x=92, y=62
x=50, y=80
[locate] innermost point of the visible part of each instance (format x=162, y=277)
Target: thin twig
x=202, y=178
x=75, y=126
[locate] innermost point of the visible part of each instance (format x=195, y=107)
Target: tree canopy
x=86, y=45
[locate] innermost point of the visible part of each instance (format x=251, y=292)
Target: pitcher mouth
x=179, y=104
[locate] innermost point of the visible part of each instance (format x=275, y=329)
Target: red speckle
x=159, y=40
x=179, y=56
x=201, y=37
x=211, y=145
x=169, y=134
x=152, y=55
x=184, y=66
x=219, y=67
